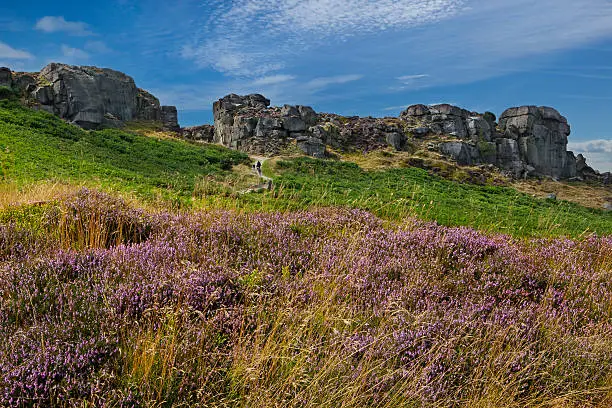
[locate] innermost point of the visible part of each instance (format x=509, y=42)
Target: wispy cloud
x=74, y=53
x=273, y=79
x=411, y=78
x=247, y=35
x=395, y=108
x=324, y=82
x=8, y=52
x=592, y=146
x=53, y=24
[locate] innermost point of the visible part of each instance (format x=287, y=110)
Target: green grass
x=397, y=193
x=37, y=146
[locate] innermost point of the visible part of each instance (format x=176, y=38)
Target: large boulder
x=509, y=157
x=147, y=106
x=479, y=129
x=169, y=118
x=24, y=82
x=93, y=97
x=6, y=77
x=249, y=124
x=541, y=134
x=203, y=133
x=442, y=119
x=361, y=133
x=463, y=153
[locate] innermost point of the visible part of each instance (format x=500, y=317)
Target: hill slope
x=36, y=146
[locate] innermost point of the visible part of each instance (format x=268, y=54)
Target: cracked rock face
x=541, y=134
x=529, y=140
x=249, y=124
x=6, y=77
x=440, y=119
x=92, y=97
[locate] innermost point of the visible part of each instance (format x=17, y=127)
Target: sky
x=351, y=57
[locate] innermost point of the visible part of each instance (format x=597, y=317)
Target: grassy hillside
x=38, y=146
x=108, y=303
x=395, y=193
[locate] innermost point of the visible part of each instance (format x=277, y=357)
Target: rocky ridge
x=248, y=123
x=527, y=141
x=89, y=97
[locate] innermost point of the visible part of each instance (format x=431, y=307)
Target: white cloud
x=254, y=35
x=598, y=152
x=411, y=78
x=346, y=17
x=592, y=146
x=53, y=24
x=273, y=79
x=8, y=52
x=395, y=108
x=222, y=55
x=74, y=53
x=323, y=82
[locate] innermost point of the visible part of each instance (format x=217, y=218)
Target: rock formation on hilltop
x=89, y=97
x=247, y=123
x=528, y=141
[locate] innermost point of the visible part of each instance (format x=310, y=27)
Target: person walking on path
x=258, y=168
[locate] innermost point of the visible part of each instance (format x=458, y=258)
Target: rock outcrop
x=6, y=78
x=528, y=141
x=91, y=97
x=203, y=133
x=361, y=133
x=541, y=135
x=249, y=124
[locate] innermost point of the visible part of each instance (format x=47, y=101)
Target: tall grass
x=329, y=307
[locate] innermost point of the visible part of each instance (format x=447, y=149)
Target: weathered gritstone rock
x=361, y=133
x=448, y=120
x=541, y=134
x=91, y=97
x=529, y=140
x=6, y=77
x=247, y=123
x=204, y=133
x=169, y=118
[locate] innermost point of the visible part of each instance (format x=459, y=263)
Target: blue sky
x=353, y=57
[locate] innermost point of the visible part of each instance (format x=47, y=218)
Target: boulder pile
x=527, y=141
x=248, y=123
x=89, y=97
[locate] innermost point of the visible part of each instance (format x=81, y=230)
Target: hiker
x=259, y=168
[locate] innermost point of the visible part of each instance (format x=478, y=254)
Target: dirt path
x=266, y=185
x=262, y=160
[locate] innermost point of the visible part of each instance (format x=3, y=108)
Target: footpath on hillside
x=267, y=181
